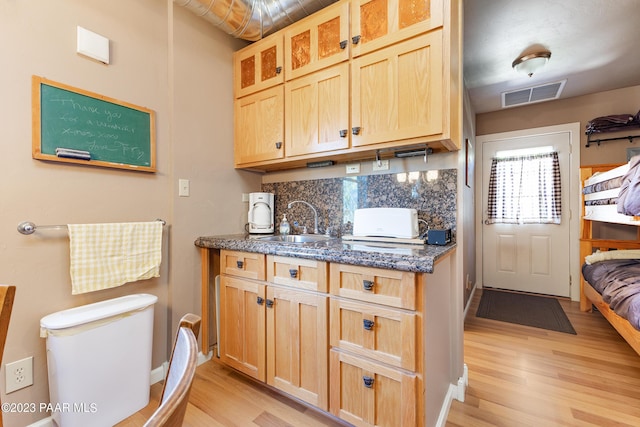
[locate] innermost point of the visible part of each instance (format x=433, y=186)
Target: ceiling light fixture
x=531, y=62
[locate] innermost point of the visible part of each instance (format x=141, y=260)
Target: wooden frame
x=588, y=295
x=73, y=125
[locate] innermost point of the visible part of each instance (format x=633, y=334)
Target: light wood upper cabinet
x=258, y=66
x=397, y=92
x=317, y=111
x=318, y=41
x=379, y=23
x=259, y=126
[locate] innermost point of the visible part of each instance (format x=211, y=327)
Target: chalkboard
x=76, y=126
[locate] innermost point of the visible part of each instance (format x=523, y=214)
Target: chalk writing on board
x=111, y=132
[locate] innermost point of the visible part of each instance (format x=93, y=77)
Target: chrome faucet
x=315, y=214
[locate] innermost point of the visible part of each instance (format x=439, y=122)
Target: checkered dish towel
x=109, y=255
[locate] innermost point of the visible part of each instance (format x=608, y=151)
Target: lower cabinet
x=297, y=344
x=242, y=325
x=366, y=393
x=278, y=334
x=279, y=331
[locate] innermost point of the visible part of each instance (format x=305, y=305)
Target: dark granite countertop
x=404, y=257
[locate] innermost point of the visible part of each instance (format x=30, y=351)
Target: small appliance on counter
x=386, y=222
x=439, y=237
x=388, y=225
x=261, y=211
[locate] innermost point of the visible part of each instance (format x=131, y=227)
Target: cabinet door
x=365, y=393
x=397, y=92
x=258, y=66
x=383, y=334
x=259, y=126
x=242, y=326
x=379, y=23
x=297, y=344
x=388, y=287
x=317, y=112
x=318, y=41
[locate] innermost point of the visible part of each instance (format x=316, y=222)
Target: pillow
x=605, y=255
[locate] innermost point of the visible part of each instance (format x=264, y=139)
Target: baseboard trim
x=456, y=392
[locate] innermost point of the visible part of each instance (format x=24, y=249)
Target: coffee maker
x=261, y=210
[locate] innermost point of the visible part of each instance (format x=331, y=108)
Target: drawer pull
x=293, y=273
x=368, y=381
x=240, y=264
x=367, y=285
x=260, y=301
x=356, y=130
x=279, y=145
x=278, y=70
x=343, y=44
x=355, y=39
x=343, y=133
x=368, y=324
x=269, y=303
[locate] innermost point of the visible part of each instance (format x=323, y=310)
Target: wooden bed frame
x=588, y=245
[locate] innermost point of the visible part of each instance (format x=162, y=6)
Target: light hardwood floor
x=518, y=376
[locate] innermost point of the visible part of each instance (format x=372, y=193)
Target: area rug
x=524, y=309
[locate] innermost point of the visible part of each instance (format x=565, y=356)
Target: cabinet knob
x=293, y=273
x=368, y=381
x=367, y=285
x=368, y=324
x=343, y=133
x=343, y=44
x=279, y=145
x=355, y=39
x=356, y=130
x=278, y=70
x=240, y=264
x=260, y=300
x=269, y=303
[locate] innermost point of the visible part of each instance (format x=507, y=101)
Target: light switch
x=183, y=187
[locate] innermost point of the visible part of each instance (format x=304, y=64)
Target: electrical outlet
x=353, y=168
x=383, y=166
x=19, y=374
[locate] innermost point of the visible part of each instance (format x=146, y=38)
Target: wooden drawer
x=387, y=287
x=242, y=264
x=297, y=272
x=384, y=334
x=365, y=393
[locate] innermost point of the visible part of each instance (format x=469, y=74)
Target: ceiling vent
x=531, y=95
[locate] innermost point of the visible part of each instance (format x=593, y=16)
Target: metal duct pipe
x=253, y=19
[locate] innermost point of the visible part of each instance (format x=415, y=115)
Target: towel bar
x=27, y=227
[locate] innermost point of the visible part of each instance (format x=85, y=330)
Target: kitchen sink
x=296, y=238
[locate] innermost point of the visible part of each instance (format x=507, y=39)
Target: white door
x=527, y=257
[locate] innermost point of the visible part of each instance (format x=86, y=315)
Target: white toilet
x=99, y=360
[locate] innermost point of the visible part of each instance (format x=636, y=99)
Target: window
x=524, y=188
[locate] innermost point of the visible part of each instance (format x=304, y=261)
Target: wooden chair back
x=182, y=368
x=7, y=295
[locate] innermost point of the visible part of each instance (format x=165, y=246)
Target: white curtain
x=525, y=190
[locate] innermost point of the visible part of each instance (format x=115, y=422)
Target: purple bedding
x=629, y=196
x=618, y=281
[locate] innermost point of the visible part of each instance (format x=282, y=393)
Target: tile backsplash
x=432, y=193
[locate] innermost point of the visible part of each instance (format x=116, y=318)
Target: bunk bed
x=610, y=277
